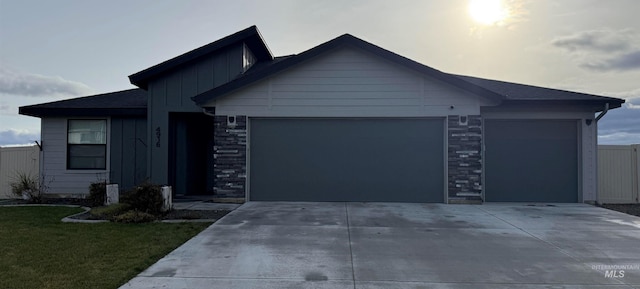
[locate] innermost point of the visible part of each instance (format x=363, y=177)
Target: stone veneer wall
x=465, y=159
x=230, y=157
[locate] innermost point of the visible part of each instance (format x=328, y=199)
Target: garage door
x=364, y=160
x=531, y=161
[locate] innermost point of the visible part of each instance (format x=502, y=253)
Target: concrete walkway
x=391, y=245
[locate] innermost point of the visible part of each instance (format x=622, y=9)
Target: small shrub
x=109, y=212
x=24, y=185
x=134, y=217
x=145, y=198
x=97, y=194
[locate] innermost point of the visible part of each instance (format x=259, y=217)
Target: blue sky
x=53, y=50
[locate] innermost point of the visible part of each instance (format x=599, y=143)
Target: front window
x=87, y=144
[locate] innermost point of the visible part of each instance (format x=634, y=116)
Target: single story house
x=343, y=121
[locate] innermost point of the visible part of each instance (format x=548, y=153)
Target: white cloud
x=18, y=137
x=621, y=125
x=631, y=97
x=633, y=103
x=603, y=50
x=619, y=138
x=27, y=84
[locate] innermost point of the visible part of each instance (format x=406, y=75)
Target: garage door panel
x=531, y=160
x=346, y=160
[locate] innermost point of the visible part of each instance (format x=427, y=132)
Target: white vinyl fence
x=618, y=174
x=15, y=160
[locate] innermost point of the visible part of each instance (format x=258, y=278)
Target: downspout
x=606, y=109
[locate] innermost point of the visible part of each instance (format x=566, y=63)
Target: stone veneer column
x=465, y=159
x=230, y=157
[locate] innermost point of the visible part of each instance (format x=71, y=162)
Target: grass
x=39, y=251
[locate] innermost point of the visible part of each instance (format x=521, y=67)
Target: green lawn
x=39, y=251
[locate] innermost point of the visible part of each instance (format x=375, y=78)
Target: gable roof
x=250, y=36
x=274, y=66
x=505, y=92
x=131, y=102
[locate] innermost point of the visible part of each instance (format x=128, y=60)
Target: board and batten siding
x=349, y=82
x=54, y=172
x=172, y=92
x=128, y=149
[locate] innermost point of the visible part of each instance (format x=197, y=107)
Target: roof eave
x=597, y=103
x=251, y=36
x=75, y=112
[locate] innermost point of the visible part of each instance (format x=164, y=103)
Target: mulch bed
x=631, y=209
x=175, y=215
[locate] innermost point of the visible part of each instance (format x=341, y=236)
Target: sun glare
x=488, y=12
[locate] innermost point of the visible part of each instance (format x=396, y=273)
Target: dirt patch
x=631, y=209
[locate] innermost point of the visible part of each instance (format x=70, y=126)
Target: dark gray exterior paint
x=172, y=92
x=128, y=151
x=250, y=36
x=359, y=160
x=531, y=161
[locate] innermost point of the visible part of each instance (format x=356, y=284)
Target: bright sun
x=488, y=12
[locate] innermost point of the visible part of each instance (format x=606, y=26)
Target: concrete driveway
x=392, y=245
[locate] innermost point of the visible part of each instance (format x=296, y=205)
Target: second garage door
x=360, y=160
x=531, y=161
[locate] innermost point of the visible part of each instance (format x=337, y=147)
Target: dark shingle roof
x=504, y=92
x=131, y=102
x=250, y=36
x=134, y=101
x=522, y=92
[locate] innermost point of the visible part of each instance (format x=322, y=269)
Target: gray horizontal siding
x=54, y=161
x=349, y=82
